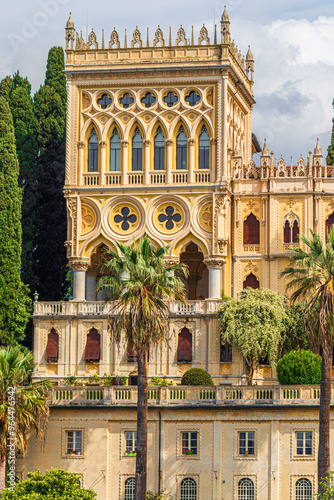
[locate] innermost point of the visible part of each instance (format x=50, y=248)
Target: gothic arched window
x=291, y=229
x=184, y=346
x=304, y=489
x=246, y=489
x=115, y=152
x=329, y=223
x=130, y=486
x=92, y=351
x=137, y=151
x=52, y=347
x=188, y=489
x=93, y=152
x=181, y=150
x=204, y=149
x=251, y=281
x=251, y=230
x=159, y=150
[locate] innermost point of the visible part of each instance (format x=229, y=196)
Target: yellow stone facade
x=231, y=221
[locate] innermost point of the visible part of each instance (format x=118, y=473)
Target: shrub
x=197, y=376
x=299, y=368
x=160, y=381
x=72, y=380
x=162, y=496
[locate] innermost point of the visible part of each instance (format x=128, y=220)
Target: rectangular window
x=189, y=443
x=304, y=443
x=131, y=441
x=73, y=443
x=225, y=353
x=247, y=443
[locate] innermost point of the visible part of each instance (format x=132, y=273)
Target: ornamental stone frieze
x=214, y=262
x=79, y=265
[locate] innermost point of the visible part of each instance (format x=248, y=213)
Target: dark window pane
x=251, y=230
x=193, y=98
x=115, y=152
x=181, y=150
x=104, y=101
x=170, y=99
x=204, y=149
x=287, y=232
x=159, y=150
x=295, y=232
x=93, y=152
x=251, y=281
x=184, y=346
x=126, y=100
x=148, y=100
x=137, y=151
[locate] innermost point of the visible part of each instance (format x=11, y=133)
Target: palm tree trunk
x=141, y=458
x=2, y=472
x=324, y=414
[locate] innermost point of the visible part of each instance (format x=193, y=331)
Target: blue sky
x=292, y=42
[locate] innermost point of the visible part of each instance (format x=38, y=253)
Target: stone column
x=213, y=141
x=103, y=146
x=91, y=276
x=125, y=145
x=81, y=148
x=147, y=144
x=191, y=143
x=214, y=266
x=79, y=279
x=169, y=145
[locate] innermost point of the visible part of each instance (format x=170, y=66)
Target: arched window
x=204, y=149
x=115, y=152
x=130, y=486
x=93, y=152
x=329, y=223
x=188, y=489
x=52, y=349
x=137, y=151
x=181, y=150
x=303, y=489
x=246, y=489
x=92, y=351
x=159, y=150
x=291, y=229
x=251, y=281
x=251, y=230
x=184, y=346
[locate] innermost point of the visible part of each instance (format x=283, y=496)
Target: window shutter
x=295, y=232
x=51, y=352
x=184, y=346
x=251, y=230
x=251, y=281
x=92, y=351
x=287, y=232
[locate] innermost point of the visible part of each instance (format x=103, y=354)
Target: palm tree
x=311, y=277
x=139, y=284
x=23, y=405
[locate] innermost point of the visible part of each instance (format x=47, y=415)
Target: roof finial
x=317, y=150
x=225, y=15
x=170, y=36
x=102, y=39
x=125, y=40
x=148, y=40
x=215, y=35
x=192, y=35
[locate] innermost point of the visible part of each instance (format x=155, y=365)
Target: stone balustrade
x=98, y=308
x=188, y=395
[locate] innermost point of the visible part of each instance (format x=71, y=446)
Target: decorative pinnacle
x=70, y=23
x=225, y=17
x=317, y=150
x=265, y=150
x=249, y=55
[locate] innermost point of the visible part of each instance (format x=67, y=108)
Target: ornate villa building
x=159, y=142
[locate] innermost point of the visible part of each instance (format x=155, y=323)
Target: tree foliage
x=254, y=322
x=14, y=300
x=18, y=397
x=56, y=484
x=330, y=152
x=196, y=376
x=300, y=367
x=50, y=264
x=297, y=332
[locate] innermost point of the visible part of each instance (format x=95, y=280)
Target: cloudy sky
x=292, y=42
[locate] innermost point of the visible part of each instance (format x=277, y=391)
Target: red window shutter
x=295, y=232
x=92, y=351
x=287, y=232
x=184, y=346
x=329, y=223
x=130, y=355
x=251, y=281
x=251, y=230
x=51, y=352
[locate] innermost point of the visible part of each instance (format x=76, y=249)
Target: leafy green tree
x=327, y=485
x=330, y=157
x=299, y=368
x=139, y=285
x=311, y=278
x=297, y=331
x=23, y=406
x=14, y=300
x=56, y=484
x=254, y=323
x=50, y=264
x=196, y=376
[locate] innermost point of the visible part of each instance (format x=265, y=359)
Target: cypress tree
x=14, y=299
x=50, y=264
x=330, y=157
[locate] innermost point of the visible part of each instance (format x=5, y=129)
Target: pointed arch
x=290, y=229
x=114, y=160
x=181, y=139
x=93, y=344
x=137, y=143
x=88, y=248
x=197, y=125
x=251, y=281
x=93, y=152
x=177, y=123
x=87, y=128
x=251, y=230
x=52, y=347
x=184, y=346
x=203, y=153
x=159, y=147
x=179, y=246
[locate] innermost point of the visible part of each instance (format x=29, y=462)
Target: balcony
x=84, y=308
x=188, y=395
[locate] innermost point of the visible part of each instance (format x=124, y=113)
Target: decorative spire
x=192, y=35
x=265, y=150
x=317, y=150
x=70, y=23
x=225, y=27
x=70, y=33
x=102, y=39
x=225, y=15
x=170, y=36
x=125, y=39
x=249, y=56
x=215, y=37
x=249, y=64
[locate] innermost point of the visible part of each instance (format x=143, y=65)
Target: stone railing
x=85, y=308
x=186, y=395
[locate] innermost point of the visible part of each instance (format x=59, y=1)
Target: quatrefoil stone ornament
x=124, y=218
x=169, y=218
